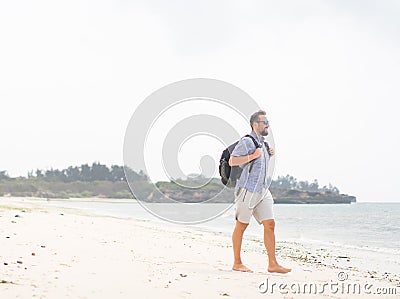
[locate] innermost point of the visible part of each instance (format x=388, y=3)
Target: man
x=252, y=196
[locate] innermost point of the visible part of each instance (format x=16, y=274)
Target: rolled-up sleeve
x=244, y=147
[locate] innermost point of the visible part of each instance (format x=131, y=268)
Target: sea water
x=367, y=232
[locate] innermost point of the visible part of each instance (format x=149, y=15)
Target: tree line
x=116, y=173
x=290, y=182
x=84, y=173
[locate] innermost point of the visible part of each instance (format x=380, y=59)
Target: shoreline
x=83, y=253
x=133, y=200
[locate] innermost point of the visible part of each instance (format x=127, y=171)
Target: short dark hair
x=255, y=116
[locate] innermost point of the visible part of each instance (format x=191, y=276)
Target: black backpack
x=230, y=174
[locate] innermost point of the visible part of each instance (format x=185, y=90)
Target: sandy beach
x=49, y=252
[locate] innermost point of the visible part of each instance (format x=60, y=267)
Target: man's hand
x=257, y=153
x=235, y=161
x=271, y=151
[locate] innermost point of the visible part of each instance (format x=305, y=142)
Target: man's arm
x=235, y=161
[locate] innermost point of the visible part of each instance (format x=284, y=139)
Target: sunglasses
x=266, y=122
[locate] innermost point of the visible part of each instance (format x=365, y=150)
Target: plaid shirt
x=257, y=179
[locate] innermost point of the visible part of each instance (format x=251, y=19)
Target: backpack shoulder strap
x=256, y=144
x=266, y=145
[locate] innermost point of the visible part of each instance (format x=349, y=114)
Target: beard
x=264, y=132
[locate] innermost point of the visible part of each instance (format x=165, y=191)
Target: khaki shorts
x=260, y=205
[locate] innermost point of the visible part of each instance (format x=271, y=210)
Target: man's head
x=259, y=123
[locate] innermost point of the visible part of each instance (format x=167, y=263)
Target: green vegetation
x=98, y=180
x=289, y=182
x=4, y=175
x=86, y=173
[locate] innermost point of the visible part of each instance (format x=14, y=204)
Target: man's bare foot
x=278, y=269
x=241, y=268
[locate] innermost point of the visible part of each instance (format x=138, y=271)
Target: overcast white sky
x=326, y=72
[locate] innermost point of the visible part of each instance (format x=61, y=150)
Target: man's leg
x=237, y=237
x=269, y=242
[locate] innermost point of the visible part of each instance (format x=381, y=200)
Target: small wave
x=341, y=246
